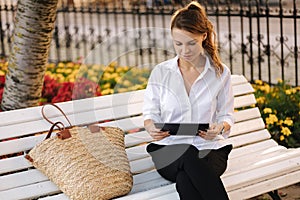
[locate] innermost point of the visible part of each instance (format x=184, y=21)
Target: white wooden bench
x=257, y=163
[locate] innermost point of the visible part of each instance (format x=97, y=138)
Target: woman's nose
x=185, y=49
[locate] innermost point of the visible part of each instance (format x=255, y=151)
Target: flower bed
x=280, y=108
x=69, y=81
x=279, y=104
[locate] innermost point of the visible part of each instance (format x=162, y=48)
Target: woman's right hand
x=155, y=133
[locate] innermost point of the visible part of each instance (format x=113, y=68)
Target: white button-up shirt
x=210, y=101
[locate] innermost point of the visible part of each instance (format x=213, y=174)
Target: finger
x=158, y=135
x=212, y=126
x=207, y=135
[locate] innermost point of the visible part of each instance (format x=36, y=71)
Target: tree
x=34, y=24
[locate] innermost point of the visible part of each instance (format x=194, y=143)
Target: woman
x=193, y=87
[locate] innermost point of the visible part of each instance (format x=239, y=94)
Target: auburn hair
x=193, y=18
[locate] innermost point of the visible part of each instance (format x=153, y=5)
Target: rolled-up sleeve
x=225, y=101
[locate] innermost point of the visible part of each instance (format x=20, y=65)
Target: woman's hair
x=193, y=18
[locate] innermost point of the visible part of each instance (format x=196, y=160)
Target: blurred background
x=257, y=38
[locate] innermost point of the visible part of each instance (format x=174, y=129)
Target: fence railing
x=257, y=38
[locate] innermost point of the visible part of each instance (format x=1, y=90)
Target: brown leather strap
x=46, y=118
x=52, y=127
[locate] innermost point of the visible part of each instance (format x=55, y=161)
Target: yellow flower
x=51, y=65
x=288, y=121
x=271, y=119
x=286, y=131
x=120, y=90
x=288, y=92
x=107, y=91
x=96, y=67
x=260, y=100
x=91, y=72
x=279, y=80
x=94, y=79
x=118, y=79
x=126, y=83
x=294, y=90
x=68, y=71
x=61, y=65
x=281, y=138
x=2, y=73
x=70, y=65
x=106, y=86
x=83, y=68
x=106, y=76
x=267, y=88
x=114, y=75
x=267, y=110
x=258, y=82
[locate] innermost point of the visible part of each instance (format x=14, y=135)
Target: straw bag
x=86, y=163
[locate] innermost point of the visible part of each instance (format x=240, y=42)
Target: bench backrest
x=20, y=131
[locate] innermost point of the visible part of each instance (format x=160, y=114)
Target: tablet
x=182, y=128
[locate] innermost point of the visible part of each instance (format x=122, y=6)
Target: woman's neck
x=198, y=64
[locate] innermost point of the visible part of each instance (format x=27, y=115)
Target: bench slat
x=242, y=89
x=30, y=191
x=247, y=126
x=238, y=79
x=72, y=107
x=21, y=129
x=21, y=179
x=150, y=194
x=13, y=164
x=250, y=138
x=266, y=186
x=244, y=101
x=262, y=173
x=249, y=162
x=246, y=114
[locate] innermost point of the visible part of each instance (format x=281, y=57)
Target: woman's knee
x=218, y=160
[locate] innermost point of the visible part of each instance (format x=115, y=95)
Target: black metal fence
x=257, y=38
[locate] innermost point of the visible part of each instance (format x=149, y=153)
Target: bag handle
x=48, y=120
x=52, y=127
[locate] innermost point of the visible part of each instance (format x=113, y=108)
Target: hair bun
x=194, y=6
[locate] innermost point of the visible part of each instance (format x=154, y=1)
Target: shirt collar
x=174, y=64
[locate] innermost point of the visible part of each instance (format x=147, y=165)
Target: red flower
x=50, y=88
x=1, y=93
x=2, y=81
x=85, y=88
x=64, y=93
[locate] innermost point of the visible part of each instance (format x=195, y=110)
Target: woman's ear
x=204, y=36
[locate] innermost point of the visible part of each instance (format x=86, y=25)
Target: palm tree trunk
x=34, y=24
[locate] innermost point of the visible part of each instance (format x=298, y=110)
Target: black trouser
x=196, y=173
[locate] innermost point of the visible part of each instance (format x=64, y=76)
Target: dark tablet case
x=182, y=128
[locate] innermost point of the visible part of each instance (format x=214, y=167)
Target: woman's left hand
x=212, y=132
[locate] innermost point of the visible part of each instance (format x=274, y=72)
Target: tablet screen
x=182, y=128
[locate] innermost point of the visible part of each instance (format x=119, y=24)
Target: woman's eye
x=193, y=43
x=178, y=44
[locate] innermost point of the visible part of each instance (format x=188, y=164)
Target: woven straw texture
x=86, y=166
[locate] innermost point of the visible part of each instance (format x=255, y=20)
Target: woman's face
x=188, y=46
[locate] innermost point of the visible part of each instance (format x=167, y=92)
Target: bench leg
x=274, y=195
